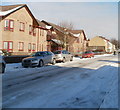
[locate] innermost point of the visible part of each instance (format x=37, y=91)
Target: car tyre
x=41, y=63
x=71, y=59
x=64, y=60
x=3, y=68
x=54, y=62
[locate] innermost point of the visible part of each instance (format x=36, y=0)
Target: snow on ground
x=18, y=67
x=82, y=88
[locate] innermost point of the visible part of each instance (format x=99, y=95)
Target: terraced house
x=62, y=38
x=20, y=32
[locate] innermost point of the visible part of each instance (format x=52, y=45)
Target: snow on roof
x=48, y=27
x=57, y=41
x=75, y=35
x=3, y=13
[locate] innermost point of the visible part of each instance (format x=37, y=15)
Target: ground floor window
x=29, y=47
x=21, y=46
x=8, y=45
x=33, y=47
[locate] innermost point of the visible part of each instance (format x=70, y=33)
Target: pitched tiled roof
x=41, y=23
x=62, y=29
x=9, y=7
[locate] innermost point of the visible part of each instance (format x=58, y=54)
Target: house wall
x=97, y=42
x=17, y=36
x=79, y=46
x=100, y=43
x=41, y=40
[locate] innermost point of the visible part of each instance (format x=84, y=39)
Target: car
x=63, y=56
x=87, y=54
x=2, y=63
x=39, y=59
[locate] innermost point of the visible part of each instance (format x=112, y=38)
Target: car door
x=49, y=57
x=68, y=55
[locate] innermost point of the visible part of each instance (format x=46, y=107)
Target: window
x=29, y=47
x=42, y=32
x=30, y=29
x=77, y=40
x=22, y=26
x=21, y=46
x=8, y=45
x=34, y=31
x=9, y=25
x=33, y=47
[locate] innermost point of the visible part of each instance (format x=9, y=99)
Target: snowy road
x=83, y=83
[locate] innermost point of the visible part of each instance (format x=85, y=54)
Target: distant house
x=100, y=43
x=21, y=33
x=61, y=38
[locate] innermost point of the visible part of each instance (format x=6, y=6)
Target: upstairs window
x=30, y=29
x=34, y=31
x=9, y=25
x=22, y=26
x=77, y=40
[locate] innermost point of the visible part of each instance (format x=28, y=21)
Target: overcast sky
x=95, y=18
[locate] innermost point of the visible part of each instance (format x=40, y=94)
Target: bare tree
x=66, y=25
x=65, y=37
x=115, y=42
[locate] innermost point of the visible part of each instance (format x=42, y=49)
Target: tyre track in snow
x=45, y=72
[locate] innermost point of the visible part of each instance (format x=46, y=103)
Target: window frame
x=33, y=47
x=9, y=28
x=8, y=46
x=20, y=45
x=20, y=29
x=29, y=44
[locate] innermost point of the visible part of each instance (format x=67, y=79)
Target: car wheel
x=41, y=63
x=3, y=68
x=64, y=60
x=71, y=59
x=54, y=62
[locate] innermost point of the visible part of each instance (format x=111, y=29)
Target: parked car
x=2, y=63
x=63, y=55
x=88, y=54
x=39, y=59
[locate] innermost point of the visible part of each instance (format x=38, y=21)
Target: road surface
x=82, y=83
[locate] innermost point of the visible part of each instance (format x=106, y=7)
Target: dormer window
x=9, y=25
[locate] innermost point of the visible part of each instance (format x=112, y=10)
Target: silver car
x=63, y=55
x=39, y=59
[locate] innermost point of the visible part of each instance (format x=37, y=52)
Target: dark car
x=39, y=59
x=63, y=55
x=2, y=63
x=88, y=54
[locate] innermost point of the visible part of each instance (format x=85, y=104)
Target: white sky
x=95, y=18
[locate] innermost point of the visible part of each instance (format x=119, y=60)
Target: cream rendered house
x=20, y=32
x=101, y=44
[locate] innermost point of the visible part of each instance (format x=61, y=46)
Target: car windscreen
x=38, y=54
x=57, y=52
